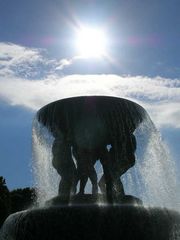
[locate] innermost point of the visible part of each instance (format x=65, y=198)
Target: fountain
x=111, y=141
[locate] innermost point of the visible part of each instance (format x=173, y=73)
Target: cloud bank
x=40, y=84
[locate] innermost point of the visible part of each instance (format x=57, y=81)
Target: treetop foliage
x=15, y=200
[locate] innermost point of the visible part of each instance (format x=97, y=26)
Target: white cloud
x=63, y=63
x=19, y=65
x=20, y=61
x=67, y=62
x=12, y=54
x=165, y=113
x=16, y=53
x=161, y=97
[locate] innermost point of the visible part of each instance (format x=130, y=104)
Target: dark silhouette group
x=76, y=164
x=87, y=129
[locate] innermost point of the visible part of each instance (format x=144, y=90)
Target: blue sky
x=39, y=64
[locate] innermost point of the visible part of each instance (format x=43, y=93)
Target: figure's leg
x=75, y=182
x=118, y=188
x=127, y=153
x=63, y=163
x=109, y=184
x=83, y=181
x=86, y=169
x=107, y=176
x=64, y=186
x=81, y=169
x=93, y=178
x=110, y=181
x=102, y=184
x=77, y=174
x=117, y=185
x=123, y=160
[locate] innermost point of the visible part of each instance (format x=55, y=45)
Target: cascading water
x=45, y=176
x=152, y=178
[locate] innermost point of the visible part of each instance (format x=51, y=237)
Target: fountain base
x=89, y=199
x=92, y=222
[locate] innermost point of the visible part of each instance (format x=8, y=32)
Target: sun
x=91, y=42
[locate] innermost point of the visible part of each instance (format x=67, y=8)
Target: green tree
x=14, y=201
x=22, y=198
x=5, y=202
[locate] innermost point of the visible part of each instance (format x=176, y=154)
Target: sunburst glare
x=91, y=42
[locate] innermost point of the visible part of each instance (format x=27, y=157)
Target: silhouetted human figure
x=116, y=187
x=62, y=161
x=85, y=168
x=115, y=163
